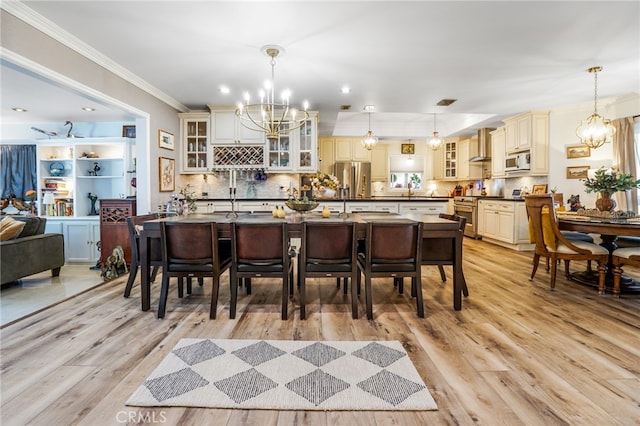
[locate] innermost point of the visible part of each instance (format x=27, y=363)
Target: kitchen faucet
x=409, y=192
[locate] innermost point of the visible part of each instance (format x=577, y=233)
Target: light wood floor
x=517, y=354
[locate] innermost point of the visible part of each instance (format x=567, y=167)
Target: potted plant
x=607, y=182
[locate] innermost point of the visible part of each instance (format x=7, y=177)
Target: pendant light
x=369, y=140
x=435, y=142
x=596, y=130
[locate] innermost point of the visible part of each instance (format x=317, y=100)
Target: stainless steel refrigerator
x=354, y=175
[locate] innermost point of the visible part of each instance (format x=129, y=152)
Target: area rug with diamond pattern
x=286, y=375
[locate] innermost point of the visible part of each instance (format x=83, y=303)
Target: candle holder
x=343, y=195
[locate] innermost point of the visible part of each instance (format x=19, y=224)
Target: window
x=404, y=170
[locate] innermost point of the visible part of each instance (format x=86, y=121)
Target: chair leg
x=154, y=273
x=180, y=287
x=465, y=290
x=214, y=297
x=354, y=296
x=338, y=282
x=442, y=274
x=302, y=290
x=345, y=284
x=285, y=294
x=400, y=282
x=133, y=272
x=547, y=268
x=233, y=284
x=368, y=296
x=554, y=270
x=247, y=284
x=418, y=288
x=567, y=272
x=164, y=293
x=536, y=261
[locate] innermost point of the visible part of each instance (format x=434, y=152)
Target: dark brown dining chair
x=134, y=224
x=620, y=257
x=260, y=250
x=552, y=244
x=328, y=249
x=441, y=251
x=392, y=249
x=191, y=249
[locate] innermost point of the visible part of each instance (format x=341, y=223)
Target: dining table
x=609, y=230
x=434, y=227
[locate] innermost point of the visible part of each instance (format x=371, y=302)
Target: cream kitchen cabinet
x=296, y=150
x=194, y=142
x=438, y=164
x=379, y=163
x=227, y=128
x=258, y=205
x=327, y=156
x=497, y=152
x=434, y=208
x=467, y=149
x=504, y=223
x=350, y=149
x=450, y=148
x=530, y=132
x=382, y=207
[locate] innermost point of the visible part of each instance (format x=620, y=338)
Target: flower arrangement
x=610, y=181
x=189, y=195
x=323, y=181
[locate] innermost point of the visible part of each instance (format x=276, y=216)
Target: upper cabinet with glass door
x=296, y=150
x=194, y=137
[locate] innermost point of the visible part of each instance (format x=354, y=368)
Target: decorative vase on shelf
x=605, y=203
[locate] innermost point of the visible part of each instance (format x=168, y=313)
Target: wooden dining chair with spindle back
x=552, y=244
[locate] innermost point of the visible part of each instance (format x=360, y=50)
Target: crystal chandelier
x=596, y=130
x=271, y=117
x=369, y=139
x=435, y=142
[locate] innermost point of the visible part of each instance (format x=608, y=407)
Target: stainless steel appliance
x=517, y=162
x=355, y=176
x=467, y=206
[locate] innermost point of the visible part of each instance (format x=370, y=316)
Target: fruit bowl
x=301, y=206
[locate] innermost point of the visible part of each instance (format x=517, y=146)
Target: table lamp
x=49, y=202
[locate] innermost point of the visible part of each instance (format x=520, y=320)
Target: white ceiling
x=496, y=58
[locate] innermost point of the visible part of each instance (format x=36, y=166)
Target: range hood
x=484, y=146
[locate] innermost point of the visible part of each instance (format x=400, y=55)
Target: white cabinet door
x=228, y=130
x=423, y=208
x=327, y=155
x=379, y=164
x=351, y=149
x=497, y=152
x=194, y=141
x=80, y=241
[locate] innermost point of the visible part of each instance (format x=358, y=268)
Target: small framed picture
x=165, y=140
x=578, y=151
x=577, y=172
x=539, y=189
x=408, y=148
x=128, y=131
x=167, y=174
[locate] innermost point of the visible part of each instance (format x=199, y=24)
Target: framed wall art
x=165, y=140
x=167, y=172
x=408, y=148
x=577, y=172
x=539, y=189
x=128, y=131
x=578, y=151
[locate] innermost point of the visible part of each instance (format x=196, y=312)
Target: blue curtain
x=18, y=170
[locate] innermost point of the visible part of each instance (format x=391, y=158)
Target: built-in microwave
x=517, y=162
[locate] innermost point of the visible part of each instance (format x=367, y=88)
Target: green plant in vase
x=607, y=182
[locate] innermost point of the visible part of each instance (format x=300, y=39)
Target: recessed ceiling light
x=345, y=90
x=446, y=102
x=224, y=90
x=369, y=108
x=89, y=109
x=18, y=109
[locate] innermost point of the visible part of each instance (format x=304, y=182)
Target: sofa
x=31, y=251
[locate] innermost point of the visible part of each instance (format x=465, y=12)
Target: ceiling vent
x=345, y=107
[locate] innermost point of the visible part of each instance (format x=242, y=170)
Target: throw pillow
x=10, y=228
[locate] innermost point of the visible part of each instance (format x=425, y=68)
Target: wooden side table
x=113, y=226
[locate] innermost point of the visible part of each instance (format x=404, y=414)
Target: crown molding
x=39, y=22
